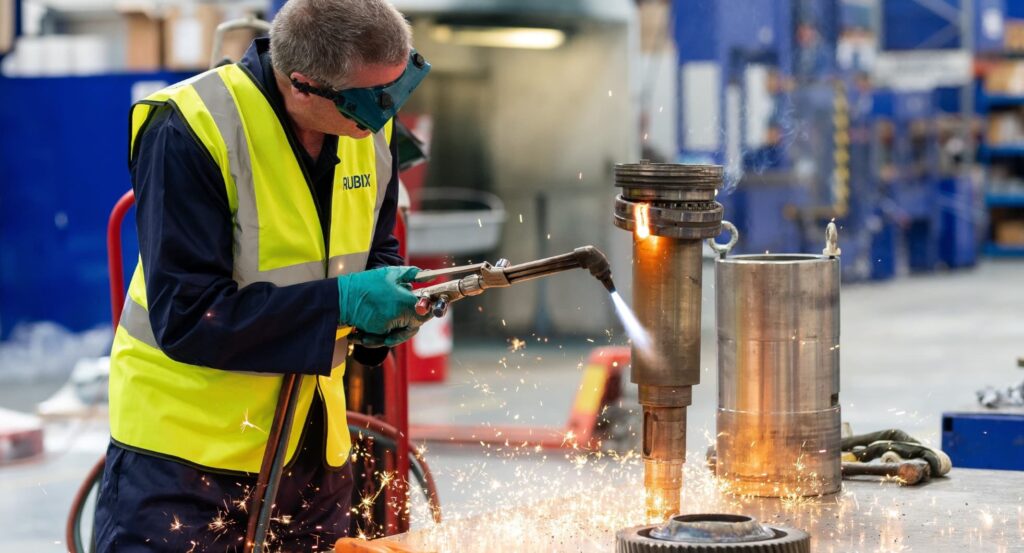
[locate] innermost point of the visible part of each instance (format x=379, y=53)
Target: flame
x=643, y=227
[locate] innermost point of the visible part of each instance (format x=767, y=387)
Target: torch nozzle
x=596, y=262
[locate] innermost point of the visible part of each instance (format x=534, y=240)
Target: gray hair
x=326, y=40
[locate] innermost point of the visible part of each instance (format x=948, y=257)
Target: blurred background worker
x=266, y=195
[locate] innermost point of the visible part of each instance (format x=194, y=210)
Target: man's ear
x=296, y=91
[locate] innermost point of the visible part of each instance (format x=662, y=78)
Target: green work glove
x=405, y=328
x=375, y=301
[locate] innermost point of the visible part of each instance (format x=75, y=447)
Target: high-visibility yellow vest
x=218, y=419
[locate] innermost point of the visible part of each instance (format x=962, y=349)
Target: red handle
x=115, y=265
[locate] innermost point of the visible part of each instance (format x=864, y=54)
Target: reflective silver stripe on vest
x=349, y=263
x=218, y=101
x=135, y=320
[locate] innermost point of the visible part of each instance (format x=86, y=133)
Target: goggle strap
x=332, y=95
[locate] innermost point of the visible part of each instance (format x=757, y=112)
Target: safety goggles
x=372, y=107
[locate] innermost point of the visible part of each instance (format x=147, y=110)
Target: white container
x=472, y=225
x=90, y=55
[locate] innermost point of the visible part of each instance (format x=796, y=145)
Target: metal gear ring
x=712, y=533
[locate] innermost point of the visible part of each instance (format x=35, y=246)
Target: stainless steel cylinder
x=778, y=374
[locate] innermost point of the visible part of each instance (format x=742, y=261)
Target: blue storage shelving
x=1004, y=200
x=991, y=154
x=999, y=100
x=995, y=250
x=1002, y=150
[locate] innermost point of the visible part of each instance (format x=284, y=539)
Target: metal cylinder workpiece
x=671, y=209
x=778, y=420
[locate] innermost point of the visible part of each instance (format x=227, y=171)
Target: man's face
x=320, y=114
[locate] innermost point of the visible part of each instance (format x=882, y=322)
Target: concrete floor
x=911, y=349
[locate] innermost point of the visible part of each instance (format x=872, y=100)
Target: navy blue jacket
x=185, y=238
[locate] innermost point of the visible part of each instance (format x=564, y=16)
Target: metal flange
x=677, y=200
x=686, y=220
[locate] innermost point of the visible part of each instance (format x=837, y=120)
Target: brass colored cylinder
x=671, y=209
x=667, y=298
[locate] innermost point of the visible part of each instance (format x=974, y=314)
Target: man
x=266, y=193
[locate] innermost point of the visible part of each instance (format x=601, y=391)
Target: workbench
x=969, y=511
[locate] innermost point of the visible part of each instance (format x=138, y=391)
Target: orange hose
x=79, y=503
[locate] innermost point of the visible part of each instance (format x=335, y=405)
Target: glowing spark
x=219, y=524
x=176, y=524
x=986, y=519
x=247, y=424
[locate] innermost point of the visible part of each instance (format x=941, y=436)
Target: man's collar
x=251, y=59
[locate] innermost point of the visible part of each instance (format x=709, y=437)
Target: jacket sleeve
x=198, y=314
x=384, y=250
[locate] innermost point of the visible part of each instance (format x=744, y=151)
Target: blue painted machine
x=992, y=439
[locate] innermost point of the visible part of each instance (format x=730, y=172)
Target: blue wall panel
x=62, y=167
x=694, y=23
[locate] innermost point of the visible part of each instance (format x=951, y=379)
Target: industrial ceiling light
x=531, y=38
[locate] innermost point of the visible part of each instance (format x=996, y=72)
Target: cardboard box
x=236, y=43
x=143, y=49
x=188, y=36
x=1013, y=35
x=6, y=26
x=1010, y=232
x=1005, y=78
x=654, y=18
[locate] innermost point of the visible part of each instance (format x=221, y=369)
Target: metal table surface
x=971, y=510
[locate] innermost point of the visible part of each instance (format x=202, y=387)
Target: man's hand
x=378, y=301
x=410, y=326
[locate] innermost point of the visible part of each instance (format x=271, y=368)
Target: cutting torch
x=472, y=280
